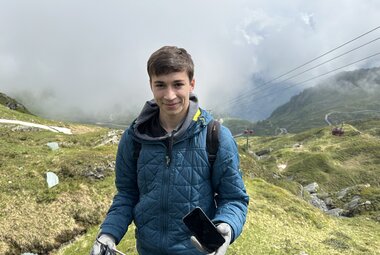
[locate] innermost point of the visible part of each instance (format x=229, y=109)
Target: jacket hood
x=151, y=109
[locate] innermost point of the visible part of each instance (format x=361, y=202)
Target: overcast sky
x=70, y=57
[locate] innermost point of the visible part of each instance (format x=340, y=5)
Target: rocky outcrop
x=112, y=137
x=99, y=171
x=12, y=104
x=311, y=190
x=350, y=203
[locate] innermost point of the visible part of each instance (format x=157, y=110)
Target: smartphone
x=203, y=229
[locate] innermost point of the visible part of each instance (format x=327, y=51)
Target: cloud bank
x=87, y=59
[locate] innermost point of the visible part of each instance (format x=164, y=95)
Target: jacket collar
x=151, y=109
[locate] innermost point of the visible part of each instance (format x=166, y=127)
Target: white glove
x=104, y=239
x=226, y=232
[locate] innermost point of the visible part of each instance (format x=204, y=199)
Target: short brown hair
x=169, y=59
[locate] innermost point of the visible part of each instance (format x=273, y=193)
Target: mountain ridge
x=348, y=92
x=13, y=104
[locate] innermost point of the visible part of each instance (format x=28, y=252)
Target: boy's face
x=171, y=92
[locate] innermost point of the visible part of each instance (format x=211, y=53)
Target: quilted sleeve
x=120, y=214
x=232, y=199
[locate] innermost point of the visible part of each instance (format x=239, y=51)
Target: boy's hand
x=226, y=232
x=105, y=240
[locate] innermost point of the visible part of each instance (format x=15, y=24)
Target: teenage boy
x=163, y=171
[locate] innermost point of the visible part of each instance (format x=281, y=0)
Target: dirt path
x=30, y=124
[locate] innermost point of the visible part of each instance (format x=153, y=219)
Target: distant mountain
x=12, y=104
x=346, y=97
x=237, y=126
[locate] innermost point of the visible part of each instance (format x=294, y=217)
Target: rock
x=341, y=194
x=312, y=187
x=95, y=174
x=20, y=128
x=66, y=144
x=111, y=164
x=51, y=179
x=328, y=201
x=112, y=137
x=100, y=171
x=337, y=212
x=353, y=204
x=317, y=202
x=53, y=146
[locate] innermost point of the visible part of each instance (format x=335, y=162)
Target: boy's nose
x=170, y=95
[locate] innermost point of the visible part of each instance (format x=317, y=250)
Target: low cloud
x=87, y=59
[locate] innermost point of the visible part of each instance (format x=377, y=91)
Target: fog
x=87, y=59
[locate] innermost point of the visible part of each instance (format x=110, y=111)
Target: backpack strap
x=136, y=150
x=212, y=140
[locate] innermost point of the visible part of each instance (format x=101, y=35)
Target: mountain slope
x=335, y=163
x=37, y=219
x=345, y=96
x=281, y=222
x=12, y=104
x=278, y=223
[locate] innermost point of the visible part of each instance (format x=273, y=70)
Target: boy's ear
x=192, y=84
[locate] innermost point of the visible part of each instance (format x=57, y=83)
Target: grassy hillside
x=34, y=218
x=279, y=223
x=333, y=162
x=65, y=219
x=317, y=155
x=348, y=94
x=12, y=103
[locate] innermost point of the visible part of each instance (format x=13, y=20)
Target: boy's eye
x=178, y=84
x=159, y=85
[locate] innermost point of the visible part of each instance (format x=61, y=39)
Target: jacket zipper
x=165, y=192
x=170, y=150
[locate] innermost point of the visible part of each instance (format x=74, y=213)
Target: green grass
x=334, y=162
x=34, y=218
x=278, y=223
x=66, y=218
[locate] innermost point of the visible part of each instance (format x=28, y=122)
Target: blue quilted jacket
x=172, y=175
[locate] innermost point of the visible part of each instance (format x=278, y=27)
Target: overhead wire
x=255, y=92
x=237, y=99
x=328, y=52
x=318, y=76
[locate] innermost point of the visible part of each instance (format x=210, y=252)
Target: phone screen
x=203, y=229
